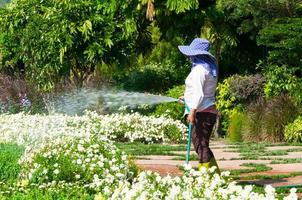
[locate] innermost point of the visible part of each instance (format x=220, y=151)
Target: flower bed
x=93, y=163
x=31, y=130
x=192, y=185
x=76, y=154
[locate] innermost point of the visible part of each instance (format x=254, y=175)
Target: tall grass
x=236, y=123
x=266, y=119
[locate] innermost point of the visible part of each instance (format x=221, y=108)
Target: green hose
x=189, y=136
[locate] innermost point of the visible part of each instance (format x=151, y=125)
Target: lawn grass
x=270, y=177
x=254, y=167
x=193, y=157
x=258, y=151
x=58, y=194
x=9, y=167
x=286, y=160
x=138, y=149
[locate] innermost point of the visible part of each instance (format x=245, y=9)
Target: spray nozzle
x=181, y=100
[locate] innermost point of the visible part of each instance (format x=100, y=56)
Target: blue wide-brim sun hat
x=198, y=46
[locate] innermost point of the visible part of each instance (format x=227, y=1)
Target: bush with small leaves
x=293, y=131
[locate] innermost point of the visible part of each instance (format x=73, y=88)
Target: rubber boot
x=206, y=165
x=214, y=163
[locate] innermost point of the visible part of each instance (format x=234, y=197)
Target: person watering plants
x=199, y=98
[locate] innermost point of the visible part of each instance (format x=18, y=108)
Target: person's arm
x=198, y=78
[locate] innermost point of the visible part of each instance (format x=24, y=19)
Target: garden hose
x=189, y=136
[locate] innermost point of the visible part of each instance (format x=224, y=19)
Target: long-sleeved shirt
x=200, y=89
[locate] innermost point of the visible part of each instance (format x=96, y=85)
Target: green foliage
x=92, y=162
x=283, y=38
x=166, y=52
x=253, y=24
x=225, y=100
x=247, y=88
x=66, y=39
x=282, y=80
x=249, y=16
x=9, y=167
x=71, y=193
x=219, y=34
x=154, y=77
x=137, y=149
x=293, y=131
x=182, y=5
x=266, y=119
x=174, y=109
x=237, y=91
x=236, y=121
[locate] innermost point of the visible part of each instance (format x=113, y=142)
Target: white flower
x=187, y=167
x=79, y=161
x=95, y=176
x=56, y=171
x=124, y=157
x=100, y=164
x=77, y=176
x=81, y=148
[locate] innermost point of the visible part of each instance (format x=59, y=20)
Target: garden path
x=287, y=171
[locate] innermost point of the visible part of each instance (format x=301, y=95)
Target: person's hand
x=181, y=99
x=191, y=116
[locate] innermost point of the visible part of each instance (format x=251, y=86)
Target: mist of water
x=104, y=100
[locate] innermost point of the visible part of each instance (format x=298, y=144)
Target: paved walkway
x=169, y=165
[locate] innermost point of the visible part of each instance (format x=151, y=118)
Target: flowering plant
x=136, y=127
x=193, y=184
x=93, y=162
x=33, y=129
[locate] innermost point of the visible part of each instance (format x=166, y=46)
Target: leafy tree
x=219, y=34
x=250, y=16
x=284, y=40
x=66, y=39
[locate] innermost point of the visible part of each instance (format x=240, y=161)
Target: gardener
x=199, y=96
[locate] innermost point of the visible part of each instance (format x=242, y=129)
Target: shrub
x=266, y=119
x=282, y=80
x=93, y=163
x=293, y=131
x=247, y=88
x=173, y=109
x=154, y=77
x=237, y=91
x=236, y=121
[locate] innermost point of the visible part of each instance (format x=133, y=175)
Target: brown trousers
x=201, y=133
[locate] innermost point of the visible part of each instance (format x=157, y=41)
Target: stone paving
x=169, y=165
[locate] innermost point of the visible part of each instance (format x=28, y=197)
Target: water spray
x=76, y=102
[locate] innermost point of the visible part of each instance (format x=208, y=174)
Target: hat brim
x=186, y=50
